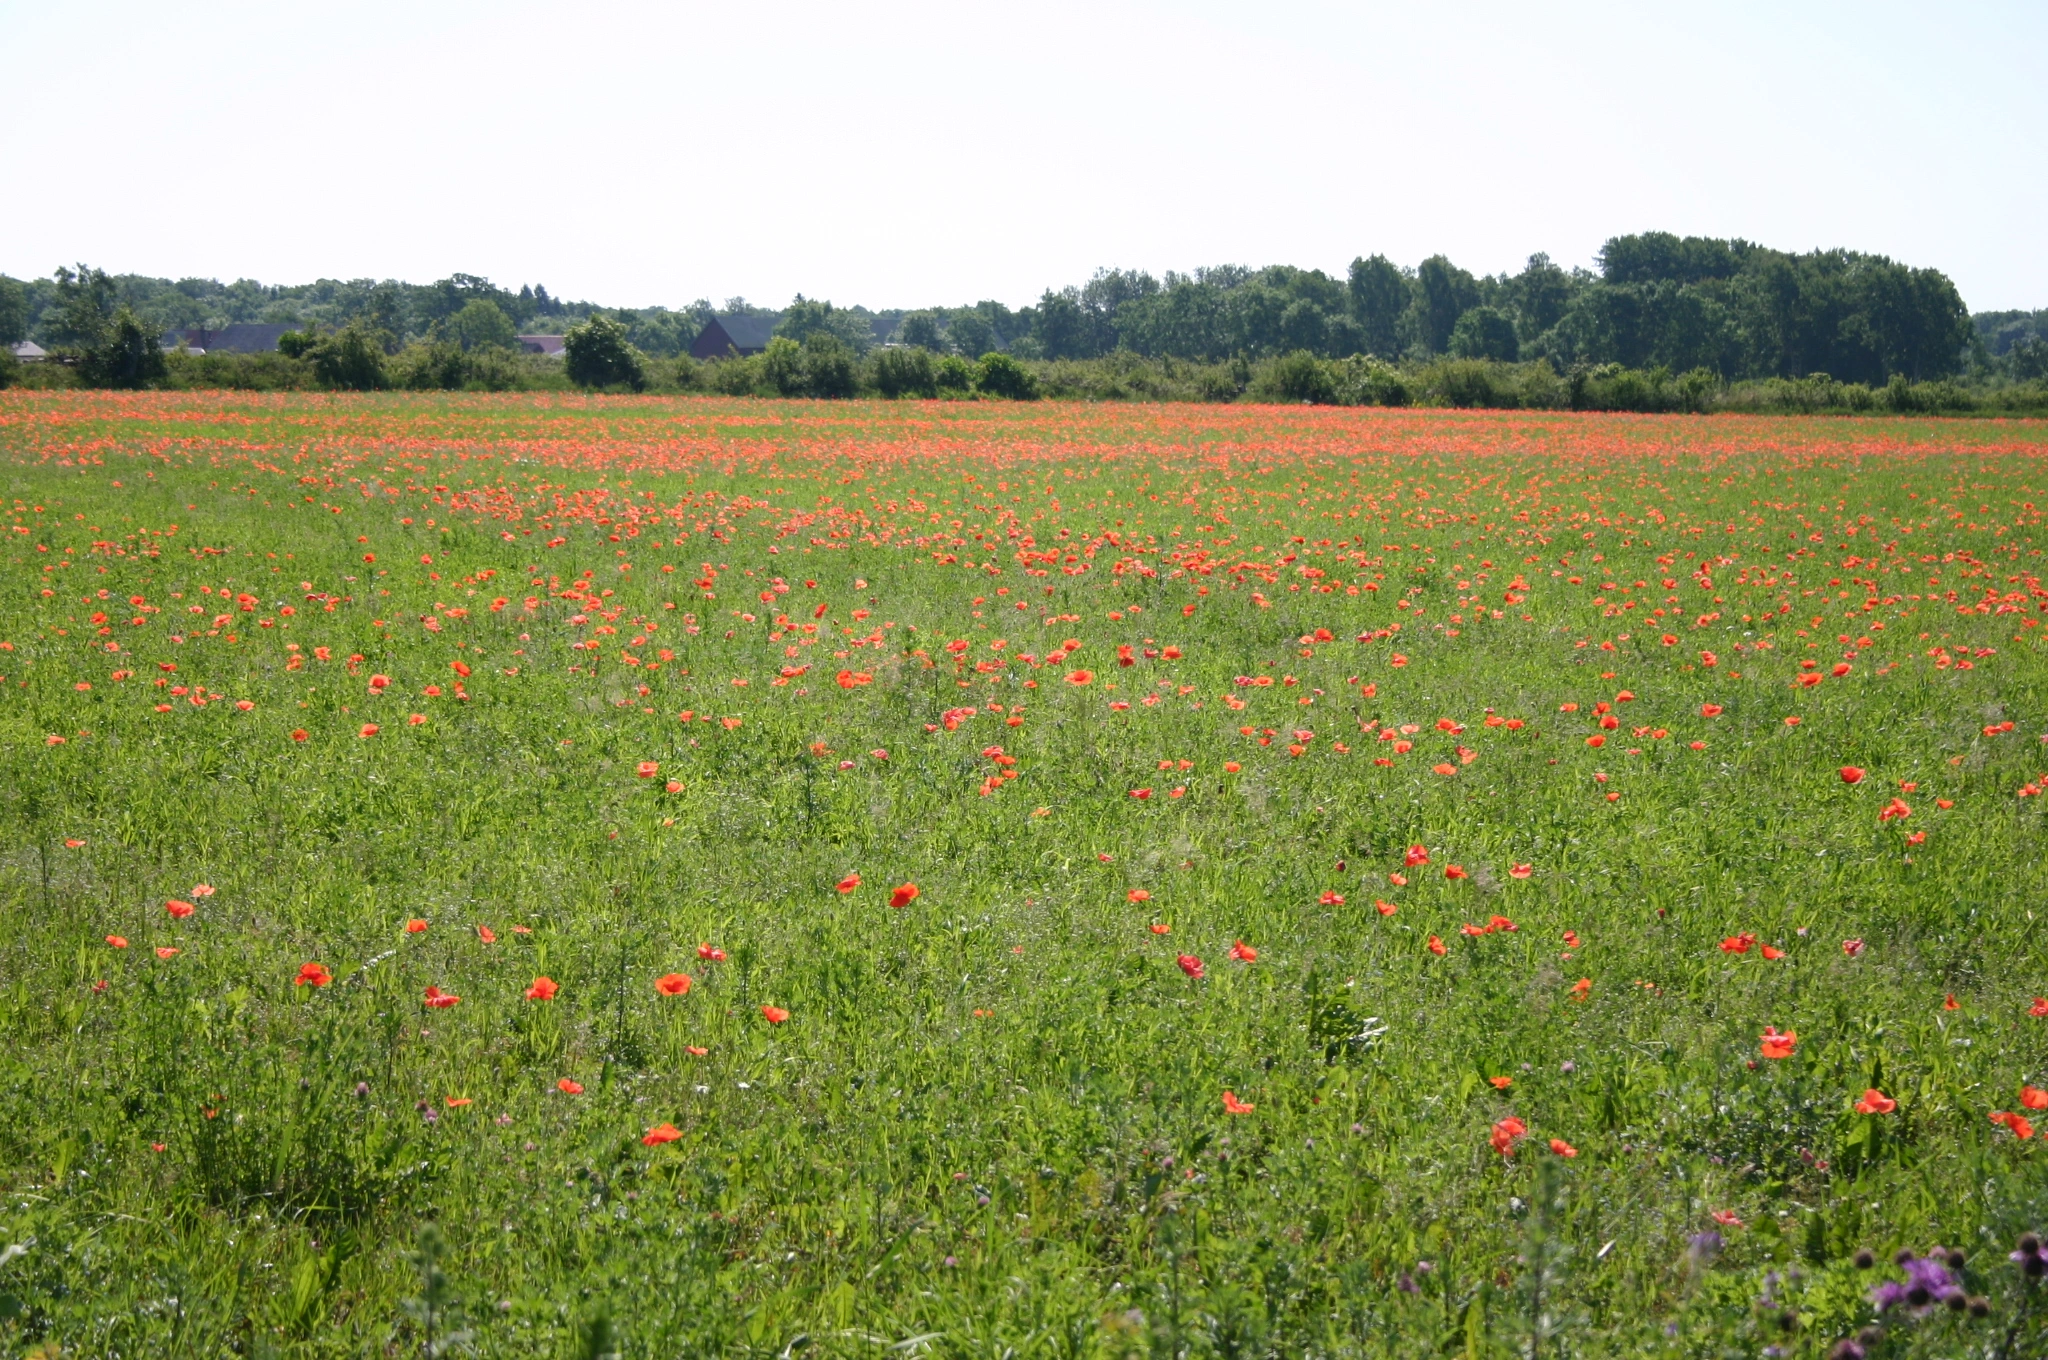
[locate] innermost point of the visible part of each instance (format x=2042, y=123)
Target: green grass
x=993, y=1123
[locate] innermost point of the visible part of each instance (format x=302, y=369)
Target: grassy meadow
x=538, y=875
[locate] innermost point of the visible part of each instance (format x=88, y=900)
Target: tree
x=829, y=367
x=481, y=324
x=1444, y=293
x=1064, y=331
x=597, y=355
x=1380, y=293
x=84, y=306
x=351, y=359
x=13, y=312
x=126, y=354
x=970, y=334
x=807, y=317
x=1540, y=294
x=905, y=373
x=1485, y=333
x=921, y=329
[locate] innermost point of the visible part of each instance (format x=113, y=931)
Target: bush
x=829, y=367
x=446, y=367
x=222, y=371
x=1001, y=376
x=904, y=372
x=736, y=377
x=10, y=369
x=295, y=344
x=1485, y=333
x=596, y=355
x=782, y=367
x=351, y=359
x=1295, y=377
x=953, y=376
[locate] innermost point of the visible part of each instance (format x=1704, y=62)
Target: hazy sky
x=908, y=154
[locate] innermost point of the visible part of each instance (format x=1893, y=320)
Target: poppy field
x=543, y=875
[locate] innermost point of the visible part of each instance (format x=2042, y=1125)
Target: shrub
x=905, y=372
x=953, y=376
x=829, y=368
x=351, y=359
x=782, y=367
x=1485, y=333
x=596, y=355
x=295, y=344
x=1295, y=377
x=1001, y=376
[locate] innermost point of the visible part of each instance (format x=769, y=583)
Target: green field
x=1358, y=858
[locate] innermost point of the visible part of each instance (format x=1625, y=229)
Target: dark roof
x=244, y=337
x=747, y=334
x=541, y=344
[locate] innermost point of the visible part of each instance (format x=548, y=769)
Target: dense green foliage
x=337, y=724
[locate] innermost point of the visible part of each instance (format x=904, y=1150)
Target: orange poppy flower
x=439, y=999
x=1875, y=1101
x=1080, y=677
x=1384, y=908
x=487, y=935
x=661, y=1133
x=300, y=734
x=1244, y=953
x=312, y=975
x=1581, y=989
x=1138, y=895
x=179, y=910
x=849, y=883
x=569, y=1088
x=1776, y=1045
x=2033, y=1098
x=1562, y=1148
x=904, y=895
x=710, y=954
x=673, y=984
x=367, y=730
x=543, y=989
x=1436, y=945
x=774, y=1015
x=118, y=941
x=415, y=926
x=1500, y=1083
x=166, y=952
x=1232, y=1105
x=647, y=769
x=2019, y=1126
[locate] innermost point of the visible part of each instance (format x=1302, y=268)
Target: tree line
x=1727, y=308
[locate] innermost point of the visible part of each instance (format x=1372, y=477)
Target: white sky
x=912, y=154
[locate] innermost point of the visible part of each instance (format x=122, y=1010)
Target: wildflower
x=568, y=1087
x=1738, y=944
x=710, y=954
x=661, y=1133
x=1500, y=1083
x=1581, y=989
x=1416, y=855
x=543, y=989
x=1875, y=1101
x=416, y=720
x=1852, y=774
x=202, y=890
x=1190, y=965
x=1454, y=871
x=1896, y=810
x=166, y=952
x=1161, y=928
x=1232, y=1105
x=486, y=934
x=2033, y=1098
x=1384, y=908
x=849, y=883
x=118, y=941
x=2020, y=1127
x=673, y=984
x=1562, y=1148
x=1852, y=947
x=647, y=769
x=774, y=1015
x=1138, y=895
x=367, y=730
x=1521, y=871
x=1080, y=677
x=904, y=895
x=439, y=999
x=2039, y=1008
x=1773, y=952
x=415, y=926
x=1332, y=899
x=457, y=1102
x=1711, y=710
x=312, y=975
x=1244, y=953
x=1505, y=1132
x=1776, y=1045
x=1727, y=1218
x=299, y=734
x=1435, y=945
x=1949, y=1003
x=179, y=910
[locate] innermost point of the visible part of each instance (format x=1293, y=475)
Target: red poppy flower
x=1190, y=965
x=904, y=895
x=312, y=975
x=1875, y=1101
x=457, y=1102
x=1231, y=767
x=1384, y=908
x=1138, y=895
x=707, y=952
x=647, y=769
x=1727, y=1218
x=1771, y=951
x=1454, y=871
x=487, y=935
x=661, y=1133
x=1079, y=677
x=166, y=952
x=673, y=984
x=1161, y=928
x=1435, y=945
x=1738, y=944
x=1141, y=794
x=2033, y=1098
x=849, y=883
x=367, y=730
x=118, y=941
x=1581, y=988
x=774, y=1015
x=299, y=734
x=1776, y=1045
x=1711, y=710
x=1244, y=953
x=695, y=1051
x=179, y=910
x=1331, y=899
x=543, y=989
x=1500, y=1083
x=2019, y=1126
x=569, y=1088
x=1562, y=1148
x=1521, y=871
x=1896, y=810
x=1852, y=774
x=1852, y=947
x=439, y=999
x=1505, y=1133
x=1232, y=1105
x=2039, y=1008
x=1949, y=1003
x=1416, y=855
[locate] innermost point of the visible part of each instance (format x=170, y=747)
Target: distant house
x=549, y=345
x=244, y=337
x=743, y=335
x=28, y=351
